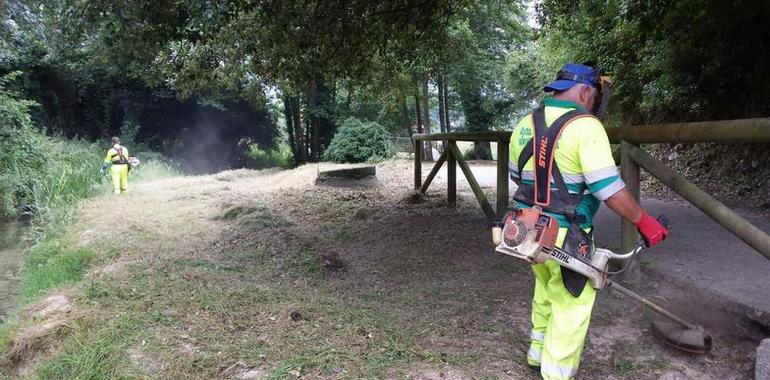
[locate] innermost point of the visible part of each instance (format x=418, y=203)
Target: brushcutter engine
x=527, y=234
x=530, y=235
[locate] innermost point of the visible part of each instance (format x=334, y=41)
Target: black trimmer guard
x=677, y=332
x=688, y=339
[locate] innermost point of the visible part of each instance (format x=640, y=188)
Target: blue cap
x=572, y=74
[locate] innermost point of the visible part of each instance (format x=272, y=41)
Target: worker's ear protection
x=603, y=98
x=603, y=83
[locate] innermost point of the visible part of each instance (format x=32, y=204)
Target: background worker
x=562, y=302
x=117, y=158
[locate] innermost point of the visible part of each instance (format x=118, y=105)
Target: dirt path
x=248, y=274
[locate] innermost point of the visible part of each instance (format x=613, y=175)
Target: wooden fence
x=453, y=157
x=632, y=158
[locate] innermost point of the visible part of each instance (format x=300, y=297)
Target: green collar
x=561, y=103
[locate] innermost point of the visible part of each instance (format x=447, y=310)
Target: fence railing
x=632, y=158
x=454, y=158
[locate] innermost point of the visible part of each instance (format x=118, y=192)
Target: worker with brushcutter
x=563, y=166
x=117, y=160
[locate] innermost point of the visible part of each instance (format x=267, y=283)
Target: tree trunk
x=289, y=118
x=406, y=122
x=320, y=98
x=299, y=133
x=315, y=152
x=477, y=118
x=426, y=118
x=325, y=96
x=417, y=112
x=312, y=121
x=441, y=118
x=441, y=115
x=446, y=107
x=419, y=119
x=308, y=137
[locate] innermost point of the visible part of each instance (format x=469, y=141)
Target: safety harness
x=122, y=160
x=558, y=201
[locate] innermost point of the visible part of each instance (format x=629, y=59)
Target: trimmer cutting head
x=689, y=339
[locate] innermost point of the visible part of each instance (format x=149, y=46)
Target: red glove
x=651, y=230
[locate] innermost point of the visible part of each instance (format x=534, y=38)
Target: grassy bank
x=42, y=180
x=55, y=261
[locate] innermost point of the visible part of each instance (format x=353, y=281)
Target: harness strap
x=556, y=127
x=122, y=158
x=542, y=147
x=544, y=142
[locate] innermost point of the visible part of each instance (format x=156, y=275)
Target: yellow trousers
x=559, y=321
x=119, y=178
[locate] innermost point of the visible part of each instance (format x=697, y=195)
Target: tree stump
x=364, y=176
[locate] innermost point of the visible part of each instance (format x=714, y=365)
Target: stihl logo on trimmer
x=541, y=152
x=561, y=256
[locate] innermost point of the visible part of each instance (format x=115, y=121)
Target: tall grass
x=70, y=173
x=39, y=174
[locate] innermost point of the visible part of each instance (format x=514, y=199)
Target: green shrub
x=20, y=149
x=357, y=141
x=479, y=152
x=69, y=174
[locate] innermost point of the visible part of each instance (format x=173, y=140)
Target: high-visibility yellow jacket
x=582, y=153
x=113, y=157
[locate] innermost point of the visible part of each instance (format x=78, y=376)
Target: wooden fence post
x=433, y=172
x=417, y=165
x=502, y=177
x=478, y=192
x=629, y=171
x=451, y=169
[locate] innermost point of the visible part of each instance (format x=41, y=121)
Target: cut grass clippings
x=229, y=318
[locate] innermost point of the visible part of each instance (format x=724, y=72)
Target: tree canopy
x=172, y=73
x=672, y=60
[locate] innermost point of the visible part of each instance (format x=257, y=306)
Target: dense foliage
x=39, y=174
x=672, y=60
x=358, y=141
x=81, y=93
x=209, y=83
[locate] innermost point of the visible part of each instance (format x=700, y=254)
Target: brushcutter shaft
x=646, y=302
x=624, y=256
